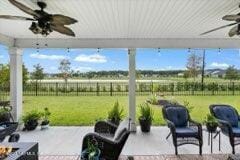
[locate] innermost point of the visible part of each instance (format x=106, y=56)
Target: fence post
x=173, y=89
x=152, y=87
x=97, y=89
x=36, y=91
x=233, y=88
x=77, y=88
x=56, y=89
x=111, y=89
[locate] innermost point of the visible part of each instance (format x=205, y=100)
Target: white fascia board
x=130, y=43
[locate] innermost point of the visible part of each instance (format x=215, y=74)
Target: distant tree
x=232, y=73
x=65, y=69
x=194, y=65
x=5, y=74
x=38, y=72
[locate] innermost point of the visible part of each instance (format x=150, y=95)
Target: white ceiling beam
x=130, y=43
x=5, y=40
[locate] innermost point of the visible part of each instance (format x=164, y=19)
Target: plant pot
x=5, y=117
x=211, y=127
x=85, y=155
x=45, y=125
x=31, y=125
x=145, y=125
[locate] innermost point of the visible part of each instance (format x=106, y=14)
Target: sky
x=85, y=60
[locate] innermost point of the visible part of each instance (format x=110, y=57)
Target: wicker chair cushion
x=178, y=115
x=186, y=132
x=123, y=127
x=236, y=131
x=227, y=114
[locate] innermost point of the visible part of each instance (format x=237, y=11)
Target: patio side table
x=211, y=137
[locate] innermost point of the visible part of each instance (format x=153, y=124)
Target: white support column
x=16, y=81
x=132, y=88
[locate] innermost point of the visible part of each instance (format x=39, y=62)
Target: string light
x=68, y=50
x=98, y=50
x=37, y=44
x=189, y=50
x=219, y=50
x=159, y=50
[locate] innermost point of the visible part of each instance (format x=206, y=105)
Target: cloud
x=82, y=69
x=93, y=58
x=219, y=65
x=48, y=57
x=1, y=56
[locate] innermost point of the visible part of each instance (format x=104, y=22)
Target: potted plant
x=92, y=152
x=211, y=123
x=115, y=114
x=45, y=118
x=30, y=120
x=146, y=117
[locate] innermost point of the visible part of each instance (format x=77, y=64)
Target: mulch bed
x=160, y=157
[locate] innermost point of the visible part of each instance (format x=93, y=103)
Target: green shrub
x=146, y=112
x=188, y=106
x=118, y=88
x=210, y=119
x=34, y=115
x=115, y=114
x=153, y=100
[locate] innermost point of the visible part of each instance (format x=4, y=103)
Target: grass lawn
x=85, y=110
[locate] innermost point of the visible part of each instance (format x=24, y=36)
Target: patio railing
x=121, y=89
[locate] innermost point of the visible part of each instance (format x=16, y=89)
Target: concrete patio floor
x=68, y=141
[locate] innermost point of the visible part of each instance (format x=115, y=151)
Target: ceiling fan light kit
x=42, y=22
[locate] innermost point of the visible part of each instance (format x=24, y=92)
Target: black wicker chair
x=183, y=129
x=109, y=138
x=228, y=119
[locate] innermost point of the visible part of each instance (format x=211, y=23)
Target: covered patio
x=139, y=144
x=127, y=24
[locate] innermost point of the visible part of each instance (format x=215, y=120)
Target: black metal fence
x=121, y=89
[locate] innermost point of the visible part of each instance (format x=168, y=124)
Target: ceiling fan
x=233, y=31
x=42, y=22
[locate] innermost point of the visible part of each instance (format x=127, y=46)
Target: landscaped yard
x=85, y=110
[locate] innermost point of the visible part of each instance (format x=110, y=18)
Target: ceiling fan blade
x=24, y=8
x=233, y=17
x=62, y=29
x=215, y=29
x=64, y=20
x=233, y=31
x=15, y=18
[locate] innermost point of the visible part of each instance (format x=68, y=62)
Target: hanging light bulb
x=189, y=50
x=98, y=50
x=219, y=50
x=159, y=50
x=37, y=48
x=68, y=50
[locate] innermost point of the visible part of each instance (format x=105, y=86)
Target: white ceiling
x=129, y=18
x=127, y=23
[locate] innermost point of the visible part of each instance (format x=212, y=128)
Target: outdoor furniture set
x=186, y=131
